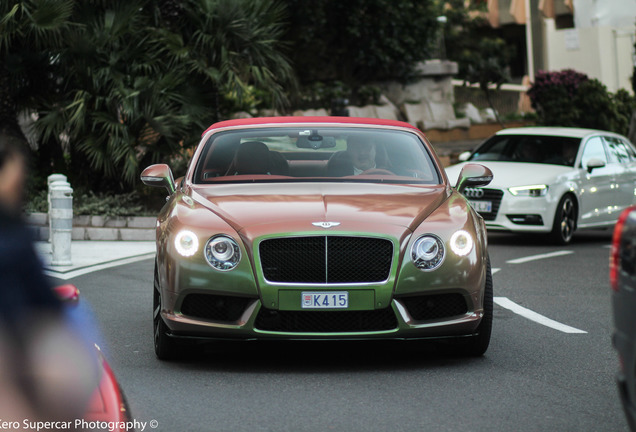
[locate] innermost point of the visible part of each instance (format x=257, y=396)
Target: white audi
x=553, y=180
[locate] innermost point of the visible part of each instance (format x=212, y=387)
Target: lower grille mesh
x=326, y=321
x=214, y=307
x=430, y=307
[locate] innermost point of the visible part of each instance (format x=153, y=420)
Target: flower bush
x=570, y=98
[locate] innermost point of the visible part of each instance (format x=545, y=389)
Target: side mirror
x=159, y=175
x=463, y=157
x=473, y=175
x=594, y=163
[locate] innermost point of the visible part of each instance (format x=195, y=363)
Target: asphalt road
x=550, y=366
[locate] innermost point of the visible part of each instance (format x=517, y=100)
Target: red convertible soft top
x=309, y=119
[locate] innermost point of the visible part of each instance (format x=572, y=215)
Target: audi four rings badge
x=473, y=193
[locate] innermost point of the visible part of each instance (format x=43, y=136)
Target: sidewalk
x=89, y=256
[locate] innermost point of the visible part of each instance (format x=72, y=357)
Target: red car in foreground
x=107, y=405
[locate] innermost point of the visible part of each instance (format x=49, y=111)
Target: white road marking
x=82, y=271
x=539, y=257
x=533, y=316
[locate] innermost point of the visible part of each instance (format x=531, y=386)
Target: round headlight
x=222, y=252
x=461, y=243
x=427, y=252
x=186, y=243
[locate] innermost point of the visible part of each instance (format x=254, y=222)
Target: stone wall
x=132, y=228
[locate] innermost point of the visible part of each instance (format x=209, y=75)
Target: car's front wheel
x=564, y=221
x=165, y=346
x=476, y=345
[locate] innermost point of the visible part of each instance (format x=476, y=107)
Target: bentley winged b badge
x=325, y=225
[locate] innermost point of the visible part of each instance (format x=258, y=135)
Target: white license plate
x=325, y=300
x=482, y=206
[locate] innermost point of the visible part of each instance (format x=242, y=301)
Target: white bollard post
x=50, y=180
x=61, y=222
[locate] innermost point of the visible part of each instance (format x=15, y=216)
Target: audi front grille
x=483, y=194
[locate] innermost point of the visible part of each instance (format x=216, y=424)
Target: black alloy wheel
x=564, y=221
x=165, y=346
x=477, y=344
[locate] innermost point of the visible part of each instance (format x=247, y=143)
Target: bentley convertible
x=319, y=228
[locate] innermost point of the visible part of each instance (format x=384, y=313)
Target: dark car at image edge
x=623, y=284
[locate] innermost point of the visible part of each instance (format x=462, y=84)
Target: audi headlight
x=427, y=252
x=222, y=252
x=531, y=191
x=186, y=243
x=461, y=243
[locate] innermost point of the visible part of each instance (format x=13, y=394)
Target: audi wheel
x=564, y=221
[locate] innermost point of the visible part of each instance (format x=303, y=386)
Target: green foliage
x=471, y=41
x=634, y=75
x=91, y=203
x=29, y=30
x=325, y=94
x=625, y=105
x=551, y=90
x=99, y=204
x=360, y=41
x=488, y=65
x=127, y=83
x=570, y=98
x=36, y=202
x=595, y=106
x=483, y=57
x=320, y=94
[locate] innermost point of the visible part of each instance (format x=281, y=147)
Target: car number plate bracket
x=324, y=300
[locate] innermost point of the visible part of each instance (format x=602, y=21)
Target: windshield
x=312, y=153
x=542, y=149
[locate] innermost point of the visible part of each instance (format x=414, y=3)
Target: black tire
x=476, y=345
x=564, y=221
x=165, y=347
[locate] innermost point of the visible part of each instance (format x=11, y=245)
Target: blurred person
x=46, y=365
x=24, y=290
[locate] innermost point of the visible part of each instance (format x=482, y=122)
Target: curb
x=98, y=228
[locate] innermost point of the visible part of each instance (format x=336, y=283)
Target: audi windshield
x=543, y=149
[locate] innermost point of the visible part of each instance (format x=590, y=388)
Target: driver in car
x=362, y=155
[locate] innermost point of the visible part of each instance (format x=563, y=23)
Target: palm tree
x=30, y=34
x=116, y=98
x=230, y=45
x=140, y=79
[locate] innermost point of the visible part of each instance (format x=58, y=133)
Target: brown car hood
x=261, y=208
